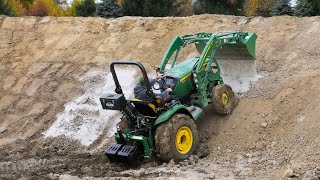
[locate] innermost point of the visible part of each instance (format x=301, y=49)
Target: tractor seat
x=144, y=107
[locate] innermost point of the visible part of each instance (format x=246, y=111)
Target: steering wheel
x=159, y=84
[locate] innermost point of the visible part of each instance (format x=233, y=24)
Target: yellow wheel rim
x=184, y=140
x=225, y=99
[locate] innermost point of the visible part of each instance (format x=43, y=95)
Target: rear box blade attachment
x=126, y=154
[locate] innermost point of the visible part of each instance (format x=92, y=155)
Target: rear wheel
x=223, y=99
x=177, y=138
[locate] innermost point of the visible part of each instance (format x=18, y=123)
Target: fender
x=167, y=115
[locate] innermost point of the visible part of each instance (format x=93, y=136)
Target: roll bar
x=118, y=89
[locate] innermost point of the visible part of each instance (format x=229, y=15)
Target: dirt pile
x=273, y=133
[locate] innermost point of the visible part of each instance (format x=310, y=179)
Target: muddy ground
x=272, y=134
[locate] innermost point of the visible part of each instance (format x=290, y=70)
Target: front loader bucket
x=237, y=57
x=242, y=50
x=234, y=47
x=237, y=63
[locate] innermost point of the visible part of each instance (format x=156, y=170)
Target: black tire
x=223, y=99
x=166, y=137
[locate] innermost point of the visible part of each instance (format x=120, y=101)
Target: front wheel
x=177, y=138
x=223, y=99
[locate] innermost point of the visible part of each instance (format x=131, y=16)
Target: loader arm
x=174, y=47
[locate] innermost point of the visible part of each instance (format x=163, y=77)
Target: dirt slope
x=273, y=133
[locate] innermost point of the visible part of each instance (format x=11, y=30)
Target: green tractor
x=165, y=126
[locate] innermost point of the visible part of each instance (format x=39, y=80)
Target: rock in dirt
x=53, y=176
x=264, y=124
x=212, y=176
x=171, y=163
x=2, y=129
x=184, y=163
x=248, y=155
x=196, y=158
x=288, y=173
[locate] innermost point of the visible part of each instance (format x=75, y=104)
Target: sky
x=293, y=2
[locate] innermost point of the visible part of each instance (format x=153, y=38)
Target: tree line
x=158, y=8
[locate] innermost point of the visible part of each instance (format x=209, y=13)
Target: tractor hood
x=181, y=69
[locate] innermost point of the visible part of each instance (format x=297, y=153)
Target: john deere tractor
x=165, y=127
